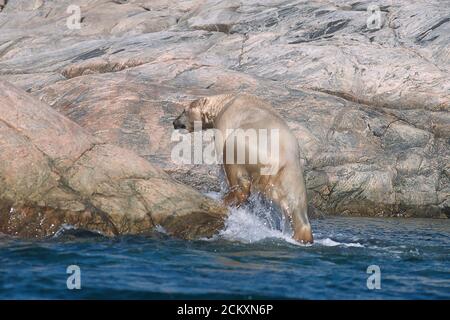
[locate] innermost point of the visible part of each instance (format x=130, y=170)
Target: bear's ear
x=193, y=104
x=197, y=103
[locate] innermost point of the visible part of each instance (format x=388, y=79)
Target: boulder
x=54, y=173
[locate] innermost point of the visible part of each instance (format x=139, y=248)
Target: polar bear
x=284, y=185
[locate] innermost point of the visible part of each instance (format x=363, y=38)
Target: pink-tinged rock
x=53, y=172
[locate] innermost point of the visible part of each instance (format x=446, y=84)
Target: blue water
x=249, y=259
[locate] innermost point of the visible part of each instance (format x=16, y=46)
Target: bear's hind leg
x=288, y=192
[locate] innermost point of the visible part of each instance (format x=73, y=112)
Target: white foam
x=213, y=195
x=67, y=227
x=64, y=227
x=246, y=227
x=160, y=229
x=331, y=243
x=255, y=223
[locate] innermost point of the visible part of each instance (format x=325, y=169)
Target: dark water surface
x=248, y=260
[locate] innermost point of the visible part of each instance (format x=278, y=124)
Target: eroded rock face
x=53, y=173
x=370, y=107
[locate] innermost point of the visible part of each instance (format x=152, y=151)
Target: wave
x=71, y=231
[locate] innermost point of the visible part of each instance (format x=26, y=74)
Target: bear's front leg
x=236, y=197
x=239, y=185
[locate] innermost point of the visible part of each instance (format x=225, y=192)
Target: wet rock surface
x=370, y=106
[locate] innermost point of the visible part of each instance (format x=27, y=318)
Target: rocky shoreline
x=370, y=107
x=53, y=173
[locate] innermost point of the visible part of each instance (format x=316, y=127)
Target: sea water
x=254, y=257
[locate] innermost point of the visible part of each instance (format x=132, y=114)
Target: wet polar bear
x=284, y=185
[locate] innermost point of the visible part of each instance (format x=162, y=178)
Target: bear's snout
x=177, y=124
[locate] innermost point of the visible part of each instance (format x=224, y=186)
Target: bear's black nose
x=178, y=125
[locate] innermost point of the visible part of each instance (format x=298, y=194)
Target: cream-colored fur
x=285, y=186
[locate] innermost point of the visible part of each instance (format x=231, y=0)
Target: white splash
x=68, y=227
x=64, y=227
x=255, y=222
x=331, y=243
x=246, y=227
x=160, y=229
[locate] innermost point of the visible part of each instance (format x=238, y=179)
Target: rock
x=216, y=15
x=370, y=106
x=53, y=173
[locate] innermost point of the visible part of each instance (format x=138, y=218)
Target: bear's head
x=196, y=111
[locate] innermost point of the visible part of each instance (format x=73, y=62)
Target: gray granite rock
x=370, y=106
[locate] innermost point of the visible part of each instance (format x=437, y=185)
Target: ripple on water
x=254, y=256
